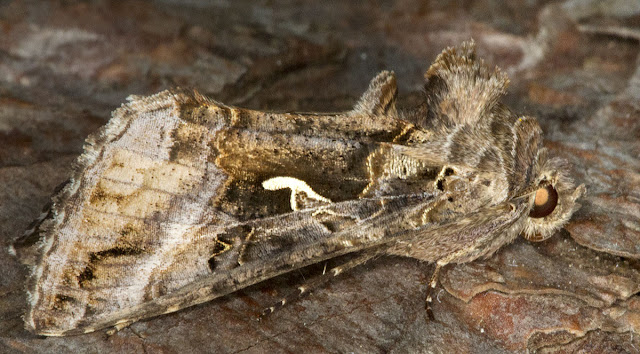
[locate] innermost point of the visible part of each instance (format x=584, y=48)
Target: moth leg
x=320, y=280
x=431, y=290
x=119, y=326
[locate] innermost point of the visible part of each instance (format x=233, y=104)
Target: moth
x=180, y=199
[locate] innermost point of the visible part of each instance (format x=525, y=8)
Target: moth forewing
x=161, y=184
x=180, y=199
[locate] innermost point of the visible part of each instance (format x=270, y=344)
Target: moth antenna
x=318, y=281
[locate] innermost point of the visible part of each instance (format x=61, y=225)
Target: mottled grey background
x=65, y=65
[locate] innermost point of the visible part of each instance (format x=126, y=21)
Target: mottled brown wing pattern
x=166, y=195
x=180, y=199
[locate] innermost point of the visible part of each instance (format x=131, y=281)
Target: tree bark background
x=65, y=65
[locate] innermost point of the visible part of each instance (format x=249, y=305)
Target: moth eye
x=545, y=202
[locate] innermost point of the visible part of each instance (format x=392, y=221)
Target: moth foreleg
x=321, y=280
x=431, y=290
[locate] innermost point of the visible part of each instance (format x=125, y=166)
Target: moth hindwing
x=180, y=199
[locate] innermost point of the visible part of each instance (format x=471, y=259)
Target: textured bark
x=65, y=65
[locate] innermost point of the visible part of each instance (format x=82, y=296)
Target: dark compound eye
x=545, y=202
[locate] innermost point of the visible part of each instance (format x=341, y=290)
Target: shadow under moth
x=180, y=199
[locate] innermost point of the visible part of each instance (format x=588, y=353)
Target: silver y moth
x=180, y=199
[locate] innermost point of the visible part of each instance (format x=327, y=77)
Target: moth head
x=552, y=198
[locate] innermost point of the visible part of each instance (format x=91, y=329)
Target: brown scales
x=167, y=206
